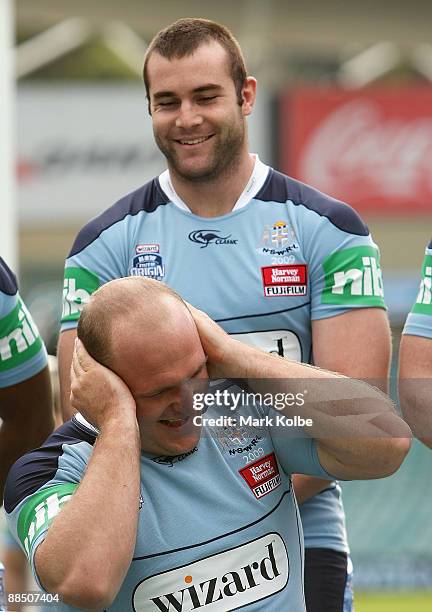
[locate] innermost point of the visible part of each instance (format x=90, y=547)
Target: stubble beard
x=223, y=160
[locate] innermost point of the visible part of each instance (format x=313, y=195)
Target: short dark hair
x=183, y=37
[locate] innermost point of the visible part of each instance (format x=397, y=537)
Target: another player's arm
x=357, y=344
x=64, y=354
x=358, y=434
x=89, y=546
x=415, y=385
x=26, y=412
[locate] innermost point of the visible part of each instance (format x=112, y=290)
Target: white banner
x=81, y=147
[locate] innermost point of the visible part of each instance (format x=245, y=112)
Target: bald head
x=131, y=305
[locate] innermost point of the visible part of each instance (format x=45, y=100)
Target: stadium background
x=345, y=103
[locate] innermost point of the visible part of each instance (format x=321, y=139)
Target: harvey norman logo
x=226, y=581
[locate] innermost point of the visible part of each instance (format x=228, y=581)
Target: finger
x=76, y=365
x=84, y=358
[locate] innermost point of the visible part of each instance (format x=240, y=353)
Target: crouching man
x=135, y=504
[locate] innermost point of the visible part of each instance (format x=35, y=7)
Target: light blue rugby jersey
x=218, y=526
x=22, y=352
x=285, y=255
x=419, y=320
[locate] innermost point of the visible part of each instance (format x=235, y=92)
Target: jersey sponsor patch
x=284, y=280
x=149, y=265
x=19, y=338
x=40, y=510
x=78, y=285
x=226, y=581
x=353, y=277
x=146, y=248
x=262, y=475
x=423, y=304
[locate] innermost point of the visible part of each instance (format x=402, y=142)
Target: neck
x=215, y=197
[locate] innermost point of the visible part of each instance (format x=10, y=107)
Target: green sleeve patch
x=40, y=510
x=79, y=284
x=423, y=304
x=353, y=278
x=19, y=338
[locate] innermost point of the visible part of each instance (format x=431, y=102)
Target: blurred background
x=344, y=103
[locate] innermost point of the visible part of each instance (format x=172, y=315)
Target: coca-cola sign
x=371, y=148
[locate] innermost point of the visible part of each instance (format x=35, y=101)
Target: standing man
x=26, y=416
x=415, y=359
x=278, y=264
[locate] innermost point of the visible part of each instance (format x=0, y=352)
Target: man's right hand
x=96, y=391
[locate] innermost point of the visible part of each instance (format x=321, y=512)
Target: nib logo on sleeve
x=423, y=303
x=79, y=284
x=353, y=276
x=21, y=339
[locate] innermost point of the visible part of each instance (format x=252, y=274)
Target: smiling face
x=197, y=121
x=156, y=364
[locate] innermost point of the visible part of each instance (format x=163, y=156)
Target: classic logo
x=284, y=281
x=78, y=286
x=423, y=303
x=226, y=581
x=205, y=237
x=262, y=476
x=22, y=339
x=149, y=265
x=353, y=276
x=170, y=461
x=275, y=239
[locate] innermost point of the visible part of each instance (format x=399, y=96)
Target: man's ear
x=248, y=95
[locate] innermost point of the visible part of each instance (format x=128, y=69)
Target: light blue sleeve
x=297, y=453
x=22, y=351
x=344, y=267
x=419, y=320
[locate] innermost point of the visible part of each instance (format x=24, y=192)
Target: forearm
x=89, y=546
x=415, y=385
x=26, y=419
x=355, y=425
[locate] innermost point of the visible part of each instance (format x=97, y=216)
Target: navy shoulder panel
x=281, y=188
x=8, y=281
x=147, y=198
x=39, y=466
x=430, y=245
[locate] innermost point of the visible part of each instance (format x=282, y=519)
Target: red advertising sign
x=371, y=148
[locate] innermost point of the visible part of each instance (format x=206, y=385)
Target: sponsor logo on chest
x=262, y=475
x=284, y=281
x=225, y=581
x=149, y=265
